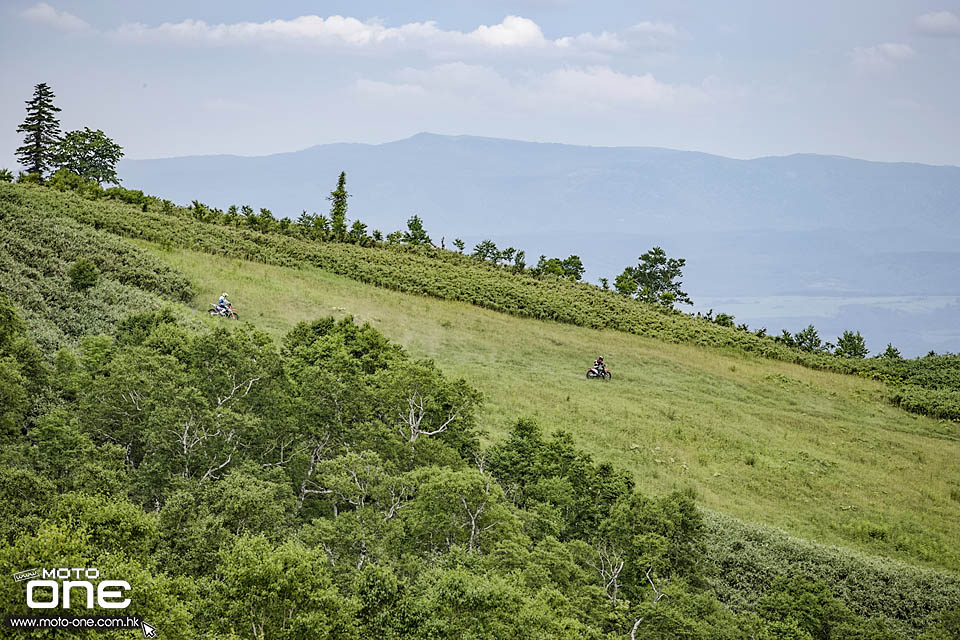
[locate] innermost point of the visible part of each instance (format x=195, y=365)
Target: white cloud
x=514, y=31
x=347, y=33
x=653, y=34
x=939, y=23
x=44, y=13
x=573, y=90
x=603, y=88
x=882, y=56
x=335, y=30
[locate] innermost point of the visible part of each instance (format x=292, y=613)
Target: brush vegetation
x=306, y=476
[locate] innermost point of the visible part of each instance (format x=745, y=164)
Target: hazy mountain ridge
x=451, y=181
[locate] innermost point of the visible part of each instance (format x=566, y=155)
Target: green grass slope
x=818, y=454
x=929, y=386
x=821, y=455
x=772, y=449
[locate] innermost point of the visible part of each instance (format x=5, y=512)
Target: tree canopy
x=851, y=345
x=89, y=154
x=655, y=279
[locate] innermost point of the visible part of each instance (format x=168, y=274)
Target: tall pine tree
x=43, y=132
x=338, y=209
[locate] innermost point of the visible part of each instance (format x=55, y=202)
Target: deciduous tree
x=89, y=154
x=656, y=279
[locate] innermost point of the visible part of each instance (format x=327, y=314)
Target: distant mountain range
x=801, y=225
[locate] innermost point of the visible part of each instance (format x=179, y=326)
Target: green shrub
x=65, y=180
x=29, y=178
x=747, y=559
x=38, y=250
x=83, y=274
x=939, y=403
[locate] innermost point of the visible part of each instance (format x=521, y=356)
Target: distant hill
x=470, y=185
x=804, y=225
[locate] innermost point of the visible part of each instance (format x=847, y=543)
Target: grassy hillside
x=819, y=454
x=929, y=386
x=766, y=445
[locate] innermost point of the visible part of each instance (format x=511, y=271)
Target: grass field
x=820, y=455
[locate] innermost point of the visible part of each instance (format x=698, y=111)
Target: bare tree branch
x=316, y=455
x=658, y=595
x=409, y=425
x=610, y=564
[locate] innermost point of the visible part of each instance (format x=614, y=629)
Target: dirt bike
x=593, y=372
x=218, y=311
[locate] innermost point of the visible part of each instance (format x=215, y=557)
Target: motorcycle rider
x=599, y=366
x=223, y=304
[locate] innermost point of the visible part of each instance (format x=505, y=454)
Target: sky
x=873, y=79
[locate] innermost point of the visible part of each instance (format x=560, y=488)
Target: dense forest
x=332, y=486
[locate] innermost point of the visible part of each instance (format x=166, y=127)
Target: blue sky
x=872, y=79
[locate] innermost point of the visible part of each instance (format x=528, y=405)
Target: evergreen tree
x=415, y=233
x=809, y=339
x=891, y=353
x=724, y=320
x=519, y=261
x=786, y=338
x=358, y=234
x=486, y=250
x=43, y=132
x=338, y=209
x=505, y=256
x=572, y=268
x=321, y=228
x=851, y=345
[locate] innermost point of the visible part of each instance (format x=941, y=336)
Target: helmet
x=224, y=294
x=600, y=358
